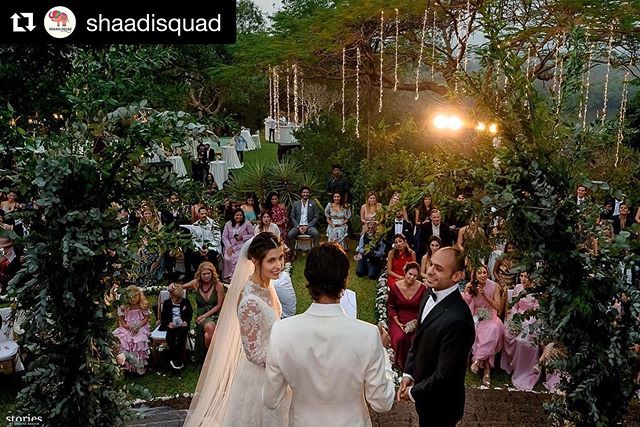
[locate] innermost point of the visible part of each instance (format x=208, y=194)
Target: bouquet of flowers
x=515, y=325
x=410, y=326
x=483, y=314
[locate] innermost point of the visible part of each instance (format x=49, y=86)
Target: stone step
x=162, y=416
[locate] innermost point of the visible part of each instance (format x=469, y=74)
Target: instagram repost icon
x=59, y=22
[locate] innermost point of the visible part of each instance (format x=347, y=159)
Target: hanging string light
x=288, y=95
x=606, y=77
x=468, y=36
x=556, y=54
x=560, y=76
x=270, y=93
x=302, y=117
x=424, y=30
x=528, y=62
x=433, y=47
x=381, y=57
x=276, y=94
x=295, y=94
x=623, y=110
x=584, y=107
x=395, y=84
x=343, y=82
x=358, y=92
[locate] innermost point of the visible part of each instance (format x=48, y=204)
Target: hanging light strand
x=343, y=84
x=302, y=118
x=424, y=30
x=270, y=93
x=395, y=73
x=288, y=95
x=584, y=107
x=381, y=57
x=433, y=46
x=560, y=76
x=277, y=98
x=468, y=36
x=623, y=110
x=606, y=77
x=295, y=93
x=358, y=92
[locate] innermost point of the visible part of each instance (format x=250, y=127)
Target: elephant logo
x=59, y=22
x=59, y=17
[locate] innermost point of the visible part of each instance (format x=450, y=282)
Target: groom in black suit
x=437, y=362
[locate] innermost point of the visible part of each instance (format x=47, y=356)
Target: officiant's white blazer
x=334, y=365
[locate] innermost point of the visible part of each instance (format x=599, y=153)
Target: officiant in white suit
x=334, y=365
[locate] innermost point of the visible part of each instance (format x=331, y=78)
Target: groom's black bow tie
x=432, y=294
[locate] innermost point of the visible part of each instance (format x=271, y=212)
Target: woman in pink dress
x=398, y=257
x=483, y=297
x=235, y=233
x=133, y=330
x=403, y=305
x=520, y=351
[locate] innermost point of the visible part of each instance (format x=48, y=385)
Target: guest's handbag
x=410, y=326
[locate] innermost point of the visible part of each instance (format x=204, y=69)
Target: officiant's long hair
x=209, y=402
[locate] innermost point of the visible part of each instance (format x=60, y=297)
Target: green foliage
x=285, y=177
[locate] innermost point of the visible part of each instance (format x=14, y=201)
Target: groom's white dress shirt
x=334, y=366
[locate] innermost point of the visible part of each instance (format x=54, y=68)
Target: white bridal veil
x=209, y=402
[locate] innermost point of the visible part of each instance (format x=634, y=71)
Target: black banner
x=116, y=21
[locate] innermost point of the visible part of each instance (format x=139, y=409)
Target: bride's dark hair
x=262, y=244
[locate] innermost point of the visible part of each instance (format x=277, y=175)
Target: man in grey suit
x=304, y=216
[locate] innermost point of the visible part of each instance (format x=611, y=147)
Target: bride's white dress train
x=258, y=308
x=229, y=391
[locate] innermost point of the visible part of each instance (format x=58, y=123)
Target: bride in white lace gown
x=229, y=391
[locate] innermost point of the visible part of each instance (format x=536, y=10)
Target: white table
x=286, y=135
x=178, y=165
x=230, y=156
x=251, y=145
x=220, y=172
x=256, y=139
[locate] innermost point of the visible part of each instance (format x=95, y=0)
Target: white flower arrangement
x=483, y=314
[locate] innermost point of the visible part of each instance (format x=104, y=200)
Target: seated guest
x=402, y=308
x=394, y=204
x=434, y=244
x=303, y=217
x=265, y=224
x=172, y=214
x=436, y=227
x=400, y=226
x=11, y=203
x=398, y=258
x=286, y=294
x=520, y=350
x=369, y=211
x=624, y=220
x=176, y=320
x=251, y=208
x=209, y=299
x=133, y=330
x=370, y=254
x=483, y=297
x=235, y=233
x=207, y=238
x=279, y=215
x=337, y=214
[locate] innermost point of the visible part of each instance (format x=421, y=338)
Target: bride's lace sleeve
x=250, y=317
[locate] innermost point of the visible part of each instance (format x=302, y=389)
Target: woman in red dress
x=403, y=305
x=398, y=257
x=279, y=215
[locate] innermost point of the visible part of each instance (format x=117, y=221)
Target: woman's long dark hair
x=233, y=218
x=407, y=251
x=267, y=202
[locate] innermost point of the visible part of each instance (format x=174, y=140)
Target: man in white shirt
x=207, y=239
x=304, y=216
x=272, y=128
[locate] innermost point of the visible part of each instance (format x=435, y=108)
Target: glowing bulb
x=480, y=127
x=455, y=123
x=441, y=122
x=493, y=128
